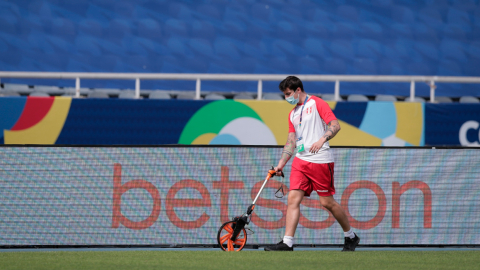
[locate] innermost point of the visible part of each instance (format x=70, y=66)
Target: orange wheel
x=224, y=235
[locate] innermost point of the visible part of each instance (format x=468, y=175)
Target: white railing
x=77, y=76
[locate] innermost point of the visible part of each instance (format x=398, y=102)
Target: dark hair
x=292, y=83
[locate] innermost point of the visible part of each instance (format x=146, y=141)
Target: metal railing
x=77, y=76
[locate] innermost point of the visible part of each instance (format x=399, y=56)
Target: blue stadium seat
x=203, y=30
x=371, y=30
x=403, y=31
x=453, y=50
x=335, y=66
x=459, y=17
x=175, y=28
x=149, y=29
x=315, y=47
x=226, y=48
x=344, y=30
x=363, y=66
x=225, y=36
x=348, y=13
x=454, y=31
x=342, y=48
x=427, y=50
x=118, y=29
x=368, y=48
x=403, y=14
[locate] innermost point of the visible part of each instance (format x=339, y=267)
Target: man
x=311, y=125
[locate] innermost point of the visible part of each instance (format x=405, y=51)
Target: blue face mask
x=292, y=100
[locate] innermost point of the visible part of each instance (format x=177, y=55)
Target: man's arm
x=288, y=151
x=332, y=130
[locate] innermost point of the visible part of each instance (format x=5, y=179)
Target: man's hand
x=333, y=128
x=278, y=171
x=317, y=145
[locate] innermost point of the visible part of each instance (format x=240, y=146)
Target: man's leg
x=295, y=197
x=351, y=239
x=336, y=210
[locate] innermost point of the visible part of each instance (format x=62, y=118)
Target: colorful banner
x=67, y=121
x=63, y=120
x=182, y=195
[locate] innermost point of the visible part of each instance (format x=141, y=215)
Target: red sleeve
x=291, y=128
x=324, y=110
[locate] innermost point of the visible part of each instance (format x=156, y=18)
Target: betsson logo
x=225, y=185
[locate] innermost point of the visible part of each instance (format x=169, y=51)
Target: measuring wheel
x=225, y=233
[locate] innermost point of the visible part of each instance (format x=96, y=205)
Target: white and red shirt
x=315, y=117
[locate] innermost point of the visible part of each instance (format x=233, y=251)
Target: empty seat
x=214, y=97
x=98, y=94
x=159, y=95
x=126, y=94
x=443, y=99
x=272, y=96
x=468, y=99
x=19, y=88
x=52, y=90
x=73, y=91
x=330, y=97
x=242, y=96
x=356, y=97
x=39, y=94
x=385, y=98
x=416, y=99
x=186, y=96
x=108, y=91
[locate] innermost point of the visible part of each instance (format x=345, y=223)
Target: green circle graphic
x=212, y=117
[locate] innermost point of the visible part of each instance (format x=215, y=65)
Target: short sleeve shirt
x=315, y=117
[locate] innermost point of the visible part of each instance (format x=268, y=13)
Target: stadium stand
x=331, y=37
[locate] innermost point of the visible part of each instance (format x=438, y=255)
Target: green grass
x=118, y=260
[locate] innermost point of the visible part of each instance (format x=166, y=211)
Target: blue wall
x=383, y=37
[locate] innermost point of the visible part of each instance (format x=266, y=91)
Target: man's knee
x=295, y=197
x=328, y=203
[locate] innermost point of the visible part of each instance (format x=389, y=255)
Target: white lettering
x=462, y=135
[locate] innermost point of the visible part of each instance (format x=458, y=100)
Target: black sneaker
x=351, y=244
x=279, y=247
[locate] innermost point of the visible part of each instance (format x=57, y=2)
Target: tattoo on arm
x=289, y=148
x=333, y=128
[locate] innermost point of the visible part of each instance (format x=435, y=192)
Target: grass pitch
x=118, y=260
